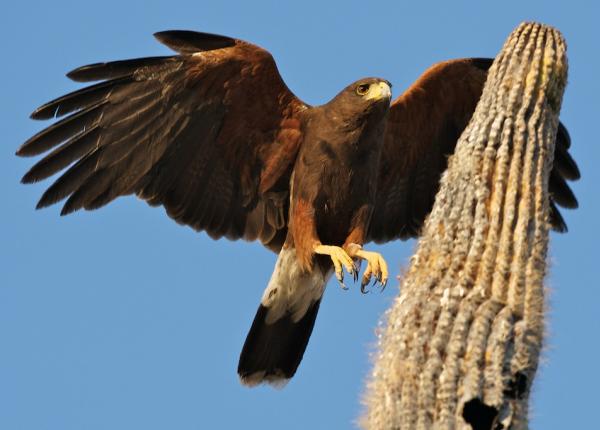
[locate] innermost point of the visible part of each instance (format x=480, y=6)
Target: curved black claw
x=355, y=271
x=383, y=285
x=363, y=286
x=340, y=279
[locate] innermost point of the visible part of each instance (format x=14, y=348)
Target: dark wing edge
x=211, y=135
x=423, y=127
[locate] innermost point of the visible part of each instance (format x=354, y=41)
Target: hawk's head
x=365, y=99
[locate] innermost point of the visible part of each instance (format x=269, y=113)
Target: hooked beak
x=380, y=91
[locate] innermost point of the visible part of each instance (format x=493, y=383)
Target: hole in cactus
x=517, y=386
x=480, y=415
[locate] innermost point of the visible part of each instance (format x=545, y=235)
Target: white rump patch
x=291, y=290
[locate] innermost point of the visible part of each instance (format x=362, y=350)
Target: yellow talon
x=340, y=258
x=376, y=266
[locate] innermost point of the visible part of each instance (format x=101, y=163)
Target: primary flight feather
x=214, y=135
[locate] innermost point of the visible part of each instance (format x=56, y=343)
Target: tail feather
x=283, y=323
x=272, y=352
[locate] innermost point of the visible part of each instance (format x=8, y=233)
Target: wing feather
x=64, y=129
x=75, y=148
x=423, y=127
x=117, y=69
x=79, y=99
x=195, y=133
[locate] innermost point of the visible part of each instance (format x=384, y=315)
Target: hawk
x=214, y=136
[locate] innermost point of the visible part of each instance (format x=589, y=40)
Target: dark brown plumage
x=215, y=136
x=208, y=136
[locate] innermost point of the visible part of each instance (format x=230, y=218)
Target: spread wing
x=210, y=134
x=422, y=130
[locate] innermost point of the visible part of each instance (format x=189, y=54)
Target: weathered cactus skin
x=461, y=343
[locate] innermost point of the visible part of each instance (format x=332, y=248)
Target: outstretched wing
x=210, y=134
x=422, y=130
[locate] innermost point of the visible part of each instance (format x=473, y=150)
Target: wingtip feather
x=41, y=204
x=41, y=114
x=556, y=220
x=50, y=197
x=189, y=42
x=28, y=178
x=67, y=210
x=20, y=152
x=79, y=74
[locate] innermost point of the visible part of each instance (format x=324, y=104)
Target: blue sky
x=121, y=319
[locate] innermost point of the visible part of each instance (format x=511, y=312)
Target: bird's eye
x=362, y=89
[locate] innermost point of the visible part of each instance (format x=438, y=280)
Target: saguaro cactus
x=462, y=341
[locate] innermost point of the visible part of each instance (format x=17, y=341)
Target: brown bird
x=215, y=136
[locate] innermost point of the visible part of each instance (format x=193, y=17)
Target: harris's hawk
x=214, y=135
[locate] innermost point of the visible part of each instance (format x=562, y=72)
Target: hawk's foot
x=376, y=267
x=340, y=259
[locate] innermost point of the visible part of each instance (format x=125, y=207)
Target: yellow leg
x=340, y=259
x=376, y=267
